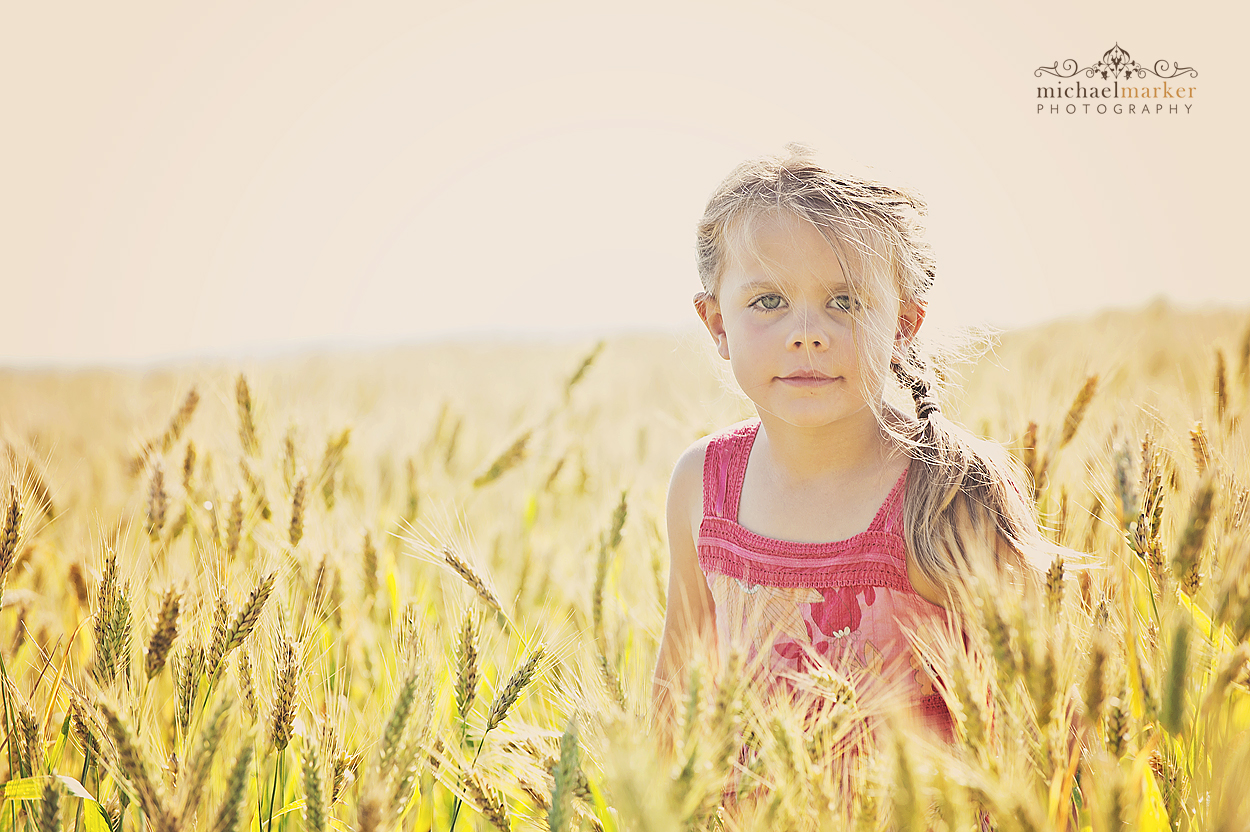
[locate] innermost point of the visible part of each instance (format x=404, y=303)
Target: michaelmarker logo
x=1123, y=95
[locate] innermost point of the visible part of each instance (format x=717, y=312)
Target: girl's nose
x=808, y=334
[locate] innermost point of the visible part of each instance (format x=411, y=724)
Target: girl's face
x=804, y=344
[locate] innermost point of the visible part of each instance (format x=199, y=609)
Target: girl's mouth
x=808, y=379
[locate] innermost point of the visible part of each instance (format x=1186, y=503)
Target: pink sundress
x=791, y=607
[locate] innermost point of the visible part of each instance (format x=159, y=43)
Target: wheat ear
x=248, y=616
x=504, y=462
x=50, y=807
x=163, y=635
x=287, y=667
x=466, y=667
x=298, y=501
x=512, y=690
x=247, y=686
x=396, y=724
x=1054, y=585
x=158, y=501
x=234, y=526
x=488, y=801
x=314, y=793
x=10, y=537
x=202, y=759
x=131, y=763
x=1076, y=413
x=472, y=578
x=1187, y=562
x=560, y=812
x=247, y=422
x=227, y=819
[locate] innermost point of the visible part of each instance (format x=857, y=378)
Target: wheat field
x=422, y=589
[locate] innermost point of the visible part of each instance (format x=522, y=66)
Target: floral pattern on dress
x=833, y=635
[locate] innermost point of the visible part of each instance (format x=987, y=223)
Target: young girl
x=835, y=523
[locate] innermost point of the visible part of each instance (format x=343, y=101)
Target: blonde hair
x=966, y=509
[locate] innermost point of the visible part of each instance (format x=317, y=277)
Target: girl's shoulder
x=691, y=462
x=686, y=484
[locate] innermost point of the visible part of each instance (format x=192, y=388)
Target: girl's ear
x=709, y=312
x=909, y=320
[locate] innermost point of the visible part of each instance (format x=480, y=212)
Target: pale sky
x=189, y=179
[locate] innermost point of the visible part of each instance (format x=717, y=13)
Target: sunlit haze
x=242, y=178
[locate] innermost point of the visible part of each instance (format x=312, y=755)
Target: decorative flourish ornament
x=1115, y=63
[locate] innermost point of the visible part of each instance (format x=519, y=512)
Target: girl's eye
x=846, y=303
x=768, y=302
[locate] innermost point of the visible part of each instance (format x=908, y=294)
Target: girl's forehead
x=781, y=246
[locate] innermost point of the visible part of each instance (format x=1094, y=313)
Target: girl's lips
x=808, y=381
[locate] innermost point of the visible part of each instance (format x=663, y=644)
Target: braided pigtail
x=926, y=404
x=966, y=516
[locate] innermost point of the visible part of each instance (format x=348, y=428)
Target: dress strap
x=889, y=517
x=724, y=468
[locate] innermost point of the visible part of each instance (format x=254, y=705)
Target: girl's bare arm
x=689, y=622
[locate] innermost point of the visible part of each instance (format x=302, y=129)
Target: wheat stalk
x=227, y=818
x=1187, y=561
x=369, y=812
x=188, y=468
x=1076, y=413
x=10, y=537
x=1172, y=710
x=247, y=420
x=1095, y=688
x=466, y=667
x=609, y=544
x=234, y=526
x=85, y=727
x=202, y=759
x=1201, y=448
x=158, y=501
x=331, y=461
x=290, y=461
x=369, y=561
x=178, y=423
x=163, y=634
x=344, y=766
x=1029, y=457
x=112, y=626
x=314, y=793
x=1221, y=388
x=489, y=803
x=559, y=813
x=256, y=487
x=132, y=765
x=219, y=637
x=247, y=686
x=580, y=372
x=471, y=577
x=248, y=616
x=504, y=462
x=31, y=741
x=286, y=677
x=1117, y=725
x=1054, y=585
x=187, y=672
x=298, y=501
x=50, y=807
x=396, y=724
x=513, y=689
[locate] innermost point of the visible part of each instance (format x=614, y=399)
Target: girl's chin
x=814, y=418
